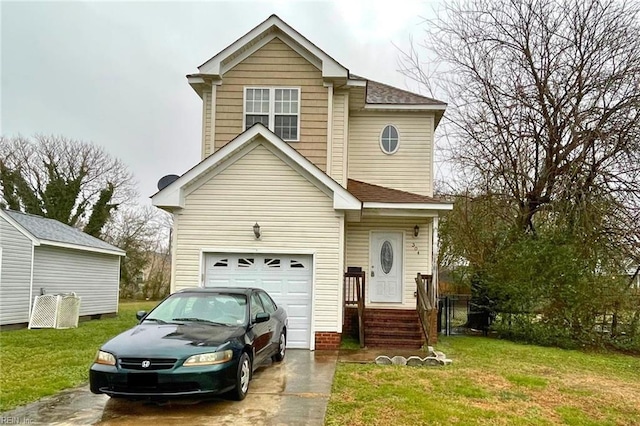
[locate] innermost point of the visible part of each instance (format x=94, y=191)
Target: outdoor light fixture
x=416, y=231
x=256, y=231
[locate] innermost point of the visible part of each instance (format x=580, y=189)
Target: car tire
x=243, y=376
x=282, y=348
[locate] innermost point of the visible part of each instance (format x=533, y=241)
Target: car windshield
x=213, y=308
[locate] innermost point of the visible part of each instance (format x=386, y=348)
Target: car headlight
x=105, y=358
x=209, y=358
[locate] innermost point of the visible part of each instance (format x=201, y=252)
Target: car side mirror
x=141, y=314
x=262, y=317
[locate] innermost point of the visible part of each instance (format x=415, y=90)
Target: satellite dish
x=166, y=181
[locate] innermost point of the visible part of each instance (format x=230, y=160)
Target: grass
x=38, y=363
x=491, y=382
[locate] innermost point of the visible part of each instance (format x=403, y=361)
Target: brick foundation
x=327, y=340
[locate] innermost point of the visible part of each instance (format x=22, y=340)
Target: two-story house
x=307, y=171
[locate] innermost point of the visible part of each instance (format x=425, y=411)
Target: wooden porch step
x=392, y=328
x=395, y=343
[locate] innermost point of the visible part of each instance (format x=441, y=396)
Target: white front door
x=385, y=276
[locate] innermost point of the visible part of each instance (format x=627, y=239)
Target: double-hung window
x=278, y=108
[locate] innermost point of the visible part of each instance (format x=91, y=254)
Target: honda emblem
x=146, y=363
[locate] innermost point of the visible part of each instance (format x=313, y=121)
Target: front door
x=386, y=267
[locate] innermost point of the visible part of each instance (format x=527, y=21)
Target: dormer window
x=389, y=139
x=278, y=108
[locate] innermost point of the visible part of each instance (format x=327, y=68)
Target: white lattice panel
x=55, y=311
x=68, y=311
x=44, y=312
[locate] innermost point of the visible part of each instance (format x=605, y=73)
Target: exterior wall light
x=416, y=231
x=256, y=231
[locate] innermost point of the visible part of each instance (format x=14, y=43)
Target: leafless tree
x=75, y=182
x=144, y=234
x=544, y=101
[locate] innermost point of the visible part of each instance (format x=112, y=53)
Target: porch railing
x=354, y=290
x=427, y=306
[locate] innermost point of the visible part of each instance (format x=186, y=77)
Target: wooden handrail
x=354, y=291
x=426, y=303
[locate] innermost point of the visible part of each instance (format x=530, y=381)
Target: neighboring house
x=39, y=255
x=306, y=170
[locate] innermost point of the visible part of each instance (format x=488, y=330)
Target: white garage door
x=287, y=279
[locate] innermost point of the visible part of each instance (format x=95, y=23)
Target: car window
x=256, y=305
x=267, y=302
x=229, y=309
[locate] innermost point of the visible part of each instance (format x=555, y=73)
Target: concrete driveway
x=294, y=392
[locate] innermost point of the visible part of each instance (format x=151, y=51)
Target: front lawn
x=37, y=363
x=491, y=382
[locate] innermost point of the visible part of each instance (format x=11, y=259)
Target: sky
x=113, y=73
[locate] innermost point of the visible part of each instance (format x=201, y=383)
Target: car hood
x=172, y=340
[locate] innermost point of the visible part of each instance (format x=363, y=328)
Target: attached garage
x=298, y=254
x=287, y=278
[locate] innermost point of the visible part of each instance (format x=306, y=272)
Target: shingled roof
x=380, y=93
x=369, y=193
x=52, y=230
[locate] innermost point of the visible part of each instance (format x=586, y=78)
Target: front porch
x=373, y=327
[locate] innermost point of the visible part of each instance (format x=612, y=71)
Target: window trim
x=380, y=139
x=272, y=110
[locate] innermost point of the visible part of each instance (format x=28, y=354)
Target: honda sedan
x=196, y=342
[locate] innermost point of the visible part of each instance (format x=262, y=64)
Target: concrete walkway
x=294, y=392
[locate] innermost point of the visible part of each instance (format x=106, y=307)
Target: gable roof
x=261, y=34
x=375, y=196
x=172, y=196
x=44, y=231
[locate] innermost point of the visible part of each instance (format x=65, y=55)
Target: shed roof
x=369, y=193
x=49, y=231
x=380, y=93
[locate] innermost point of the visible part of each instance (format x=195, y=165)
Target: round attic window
x=389, y=139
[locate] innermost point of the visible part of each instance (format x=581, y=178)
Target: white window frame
x=272, y=108
x=380, y=139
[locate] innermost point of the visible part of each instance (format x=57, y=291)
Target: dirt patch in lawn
x=587, y=393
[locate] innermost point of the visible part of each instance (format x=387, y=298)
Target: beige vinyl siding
x=276, y=64
x=340, y=115
x=409, y=169
x=92, y=276
x=15, y=275
x=294, y=217
x=417, y=251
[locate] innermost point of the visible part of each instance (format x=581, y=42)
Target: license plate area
x=142, y=380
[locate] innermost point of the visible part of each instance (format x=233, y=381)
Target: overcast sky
x=113, y=73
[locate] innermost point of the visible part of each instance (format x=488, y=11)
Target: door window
x=386, y=257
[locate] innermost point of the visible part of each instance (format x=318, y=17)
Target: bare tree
x=544, y=101
x=72, y=181
x=144, y=234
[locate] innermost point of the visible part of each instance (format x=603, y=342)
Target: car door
x=276, y=322
x=261, y=330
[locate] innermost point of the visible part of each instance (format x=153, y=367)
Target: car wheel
x=242, y=377
x=282, y=348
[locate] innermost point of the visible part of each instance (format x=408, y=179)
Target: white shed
x=44, y=256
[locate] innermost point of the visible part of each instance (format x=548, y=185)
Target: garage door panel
x=294, y=311
x=218, y=282
x=287, y=279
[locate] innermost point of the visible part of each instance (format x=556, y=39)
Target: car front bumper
x=163, y=384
